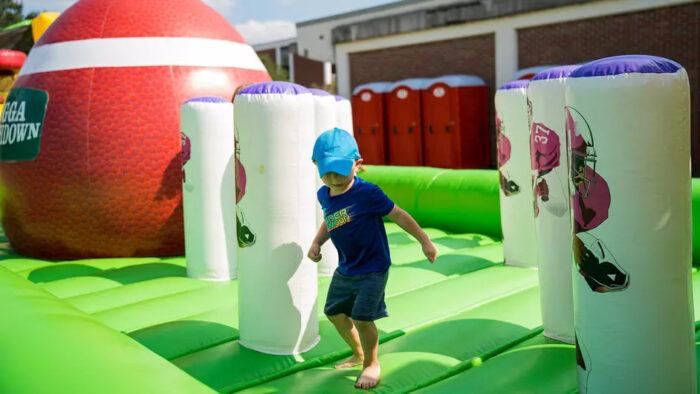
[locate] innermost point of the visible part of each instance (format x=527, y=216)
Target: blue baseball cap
x=335, y=151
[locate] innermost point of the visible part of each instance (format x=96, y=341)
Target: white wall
x=505, y=30
x=308, y=36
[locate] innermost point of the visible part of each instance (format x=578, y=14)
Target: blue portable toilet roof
x=412, y=83
x=376, y=87
x=456, y=81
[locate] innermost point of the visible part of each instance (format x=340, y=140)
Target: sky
x=257, y=20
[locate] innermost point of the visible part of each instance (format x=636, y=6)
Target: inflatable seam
x=98, y=314
x=467, y=364
x=96, y=311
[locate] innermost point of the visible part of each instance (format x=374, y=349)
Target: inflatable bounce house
x=15, y=41
x=158, y=200
x=23, y=35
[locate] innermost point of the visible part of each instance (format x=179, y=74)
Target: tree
x=276, y=73
x=10, y=12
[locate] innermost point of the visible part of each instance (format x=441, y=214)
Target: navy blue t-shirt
x=354, y=222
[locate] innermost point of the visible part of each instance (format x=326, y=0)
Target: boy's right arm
x=321, y=238
x=406, y=222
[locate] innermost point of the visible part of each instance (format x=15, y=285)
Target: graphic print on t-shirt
x=337, y=219
x=355, y=226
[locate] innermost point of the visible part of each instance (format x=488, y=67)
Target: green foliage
x=276, y=73
x=332, y=88
x=10, y=12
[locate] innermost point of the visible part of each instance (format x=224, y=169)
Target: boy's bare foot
x=369, y=377
x=350, y=362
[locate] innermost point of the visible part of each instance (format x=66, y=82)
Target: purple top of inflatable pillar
x=517, y=84
x=206, y=99
x=319, y=92
x=274, y=87
x=643, y=64
x=339, y=98
x=555, y=73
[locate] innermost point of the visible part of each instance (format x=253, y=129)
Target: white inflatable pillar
x=548, y=162
x=343, y=114
x=276, y=210
x=513, y=139
x=324, y=119
x=628, y=120
x=208, y=188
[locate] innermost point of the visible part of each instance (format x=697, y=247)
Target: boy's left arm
x=406, y=222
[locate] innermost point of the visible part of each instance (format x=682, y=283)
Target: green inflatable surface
x=138, y=325
x=460, y=201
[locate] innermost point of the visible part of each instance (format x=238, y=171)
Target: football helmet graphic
x=583, y=362
x=245, y=235
x=529, y=113
x=550, y=192
x=185, y=152
x=186, y=147
x=591, y=195
x=544, y=148
x=591, y=207
x=503, y=145
x=597, y=265
x=581, y=150
x=542, y=189
x=240, y=181
x=545, y=152
x=508, y=186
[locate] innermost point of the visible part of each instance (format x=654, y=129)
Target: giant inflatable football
x=107, y=178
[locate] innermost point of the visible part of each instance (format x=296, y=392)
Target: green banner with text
x=21, y=124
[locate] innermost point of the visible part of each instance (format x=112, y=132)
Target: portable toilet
x=368, y=116
x=404, y=120
x=456, y=122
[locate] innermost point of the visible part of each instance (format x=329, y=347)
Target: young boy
x=354, y=209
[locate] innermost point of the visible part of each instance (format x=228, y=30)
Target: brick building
x=495, y=38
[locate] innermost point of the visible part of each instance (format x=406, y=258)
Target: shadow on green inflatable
x=125, y=275
x=451, y=264
x=231, y=367
x=179, y=338
x=536, y=369
x=462, y=242
x=412, y=360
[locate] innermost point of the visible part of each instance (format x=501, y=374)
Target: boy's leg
x=339, y=302
x=369, y=306
x=369, y=338
x=347, y=330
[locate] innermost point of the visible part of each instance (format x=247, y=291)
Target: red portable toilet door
x=441, y=133
x=368, y=119
x=404, y=131
x=475, y=134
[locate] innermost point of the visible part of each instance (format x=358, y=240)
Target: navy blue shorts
x=360, y=297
